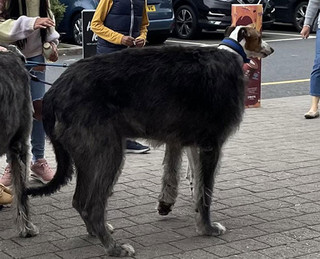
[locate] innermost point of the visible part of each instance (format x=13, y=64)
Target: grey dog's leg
x=18, y=155
x=204, y=181
x=170, y=179
x=99, y=171
x=193, y=164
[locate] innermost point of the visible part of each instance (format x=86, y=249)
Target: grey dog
x=183, y=97
x=16, y=122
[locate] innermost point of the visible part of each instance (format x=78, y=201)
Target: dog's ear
x=243, y=33
x=228, y=30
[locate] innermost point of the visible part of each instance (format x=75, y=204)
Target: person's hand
x=140, y=42
x=42, y=23
x=305, y=32
x=127, y=41
x=54, y=55
x=3, y=49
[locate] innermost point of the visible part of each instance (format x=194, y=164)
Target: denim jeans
x=315, y=74
x=37, y=92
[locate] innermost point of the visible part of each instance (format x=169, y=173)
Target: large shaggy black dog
x=184, y=97
x=16, y=123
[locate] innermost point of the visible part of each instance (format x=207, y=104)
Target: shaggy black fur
x=184, y=97
x=15, y=121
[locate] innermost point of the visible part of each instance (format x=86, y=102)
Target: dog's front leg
x=170, y=179
x=204, y=181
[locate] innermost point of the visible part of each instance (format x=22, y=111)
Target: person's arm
x=141, y=40
x=12, y=30
x=144, y=23
x=99, y=28
x=311, y=12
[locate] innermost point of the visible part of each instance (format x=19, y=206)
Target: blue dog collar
x=231, y=43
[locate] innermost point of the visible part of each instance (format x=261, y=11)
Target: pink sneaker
x=6, y=177
x=41, y=171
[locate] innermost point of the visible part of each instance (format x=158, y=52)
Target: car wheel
x=299, y=14
x=77, y=30
x=186, y=24
x=157, y=39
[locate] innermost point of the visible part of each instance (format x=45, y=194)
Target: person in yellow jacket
x=120, y=24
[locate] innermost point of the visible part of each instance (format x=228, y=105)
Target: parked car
x=291, y=11
x=160, y=13
x=192, y=16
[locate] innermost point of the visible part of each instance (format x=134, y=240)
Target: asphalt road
x=285, y=73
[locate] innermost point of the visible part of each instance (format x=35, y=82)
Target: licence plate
x=151, y=8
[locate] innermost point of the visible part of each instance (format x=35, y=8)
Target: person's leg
x=40, y=169
x=315, y=82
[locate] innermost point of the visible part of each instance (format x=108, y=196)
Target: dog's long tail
x=64, y=161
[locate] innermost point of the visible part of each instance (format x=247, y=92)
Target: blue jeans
x=37, y=92
x=315, y=74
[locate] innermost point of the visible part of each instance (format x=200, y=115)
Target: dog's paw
x=29, y=231
x=216, y=229
x=164, y=208
x=121, y=250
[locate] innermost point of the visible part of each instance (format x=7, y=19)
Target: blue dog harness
x=233, y=44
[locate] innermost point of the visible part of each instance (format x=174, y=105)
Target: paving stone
x=157, y=238
x=275, y=239
x=302, y=233
x=196, y=254
x=70, y=243
x=250, y=255
x=247, y=245
x=280, y=225
x=242, y=233
x=34, y=250
x=197, y=242
x=156, y=251
x=222, y=250
x=82, y=252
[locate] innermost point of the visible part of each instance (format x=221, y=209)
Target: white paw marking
x=110, y=228
x=221, y=227
x=129, y=249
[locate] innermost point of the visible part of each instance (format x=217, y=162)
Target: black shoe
x=136, y=148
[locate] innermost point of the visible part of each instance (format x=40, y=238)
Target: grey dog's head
x=13, y=49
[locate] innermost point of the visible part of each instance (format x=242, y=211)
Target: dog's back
x=158, y=93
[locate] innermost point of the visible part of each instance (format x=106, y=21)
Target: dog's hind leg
x=193, y=164
x=97, y=172
x=170, y=179
x=18, y=156
x=204, y=181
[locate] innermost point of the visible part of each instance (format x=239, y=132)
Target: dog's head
x=14, y=50
x=251, y=41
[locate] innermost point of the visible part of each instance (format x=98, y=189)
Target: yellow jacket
x=106, y=33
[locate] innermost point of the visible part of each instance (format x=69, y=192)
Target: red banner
x=245, y=14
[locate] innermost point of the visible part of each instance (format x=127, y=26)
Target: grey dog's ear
x=17, y=52
x=229, y=30
x=243, y=33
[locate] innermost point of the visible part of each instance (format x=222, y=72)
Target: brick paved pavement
x=267, y=195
